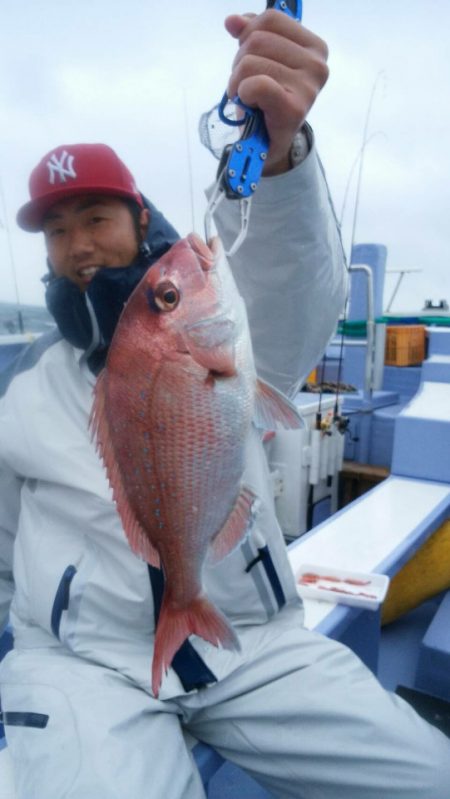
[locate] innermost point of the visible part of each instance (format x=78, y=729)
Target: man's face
x=84, y=234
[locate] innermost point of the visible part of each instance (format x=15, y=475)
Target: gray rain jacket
x=64, y=559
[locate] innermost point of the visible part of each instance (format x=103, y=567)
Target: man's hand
x=280, y=67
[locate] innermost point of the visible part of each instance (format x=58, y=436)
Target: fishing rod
x=5, y=226
x=241, y=165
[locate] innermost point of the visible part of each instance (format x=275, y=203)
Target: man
x=297, y=711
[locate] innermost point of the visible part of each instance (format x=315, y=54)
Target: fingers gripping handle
x=242, y=163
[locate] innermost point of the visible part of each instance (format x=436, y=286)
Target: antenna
x=401, y=274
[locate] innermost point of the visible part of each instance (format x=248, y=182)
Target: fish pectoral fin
x=235, y=528
x=273, y=409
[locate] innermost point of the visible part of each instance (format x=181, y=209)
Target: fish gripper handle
x=242, y=163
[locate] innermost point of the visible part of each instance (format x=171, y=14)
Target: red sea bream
x=172, y=411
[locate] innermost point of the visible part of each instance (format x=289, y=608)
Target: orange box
x=405, y=345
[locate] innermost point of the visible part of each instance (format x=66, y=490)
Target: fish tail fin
x=176, y=624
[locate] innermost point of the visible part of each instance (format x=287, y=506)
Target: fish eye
x=166, y=296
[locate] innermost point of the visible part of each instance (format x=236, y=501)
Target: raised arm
x=291, y=267
x=280, y=67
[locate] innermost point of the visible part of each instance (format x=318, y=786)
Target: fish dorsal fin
x=235, y=528
x=273, y=409
x=99, y=427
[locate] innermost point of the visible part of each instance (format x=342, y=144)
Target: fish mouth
x=211, y=332
x=211, y=344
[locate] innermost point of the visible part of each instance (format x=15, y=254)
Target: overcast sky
x=137, y=75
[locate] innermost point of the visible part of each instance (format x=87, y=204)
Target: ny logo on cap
x=62, y=167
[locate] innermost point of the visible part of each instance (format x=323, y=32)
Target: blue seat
x=208, y=762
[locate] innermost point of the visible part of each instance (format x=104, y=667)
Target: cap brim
x=30, y=217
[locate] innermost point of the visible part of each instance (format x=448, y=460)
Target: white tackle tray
x=359, y=589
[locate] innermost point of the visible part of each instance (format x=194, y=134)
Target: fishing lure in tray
x=242, y=163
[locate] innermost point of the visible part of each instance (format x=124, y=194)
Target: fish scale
x=201, y=433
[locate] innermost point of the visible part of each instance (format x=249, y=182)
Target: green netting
x=436, y=321
x=357, y=328
x=354, y=328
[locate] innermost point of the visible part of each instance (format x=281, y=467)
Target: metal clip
x=244, y=206
x=216, y=198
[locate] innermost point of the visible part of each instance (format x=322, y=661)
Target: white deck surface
x=439, y=359
x=432, y=401
x=364, y=534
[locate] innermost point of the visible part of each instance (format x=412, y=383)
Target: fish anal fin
x=137, y=538
x=101, y=433
x=273, y=409
x=175, y=624
x=235, y=528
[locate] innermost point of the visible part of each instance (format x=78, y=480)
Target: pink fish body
x=172, y=411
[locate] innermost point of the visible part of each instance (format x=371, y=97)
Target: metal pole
x=370, y=327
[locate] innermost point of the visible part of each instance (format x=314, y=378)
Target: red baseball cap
x=73, y=169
